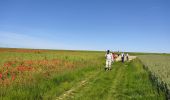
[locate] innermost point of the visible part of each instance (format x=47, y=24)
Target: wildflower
x=13, y=77
x=0, y=75
x=7, y=65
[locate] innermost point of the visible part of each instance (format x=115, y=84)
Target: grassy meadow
x=159, y=66
x=27, y=74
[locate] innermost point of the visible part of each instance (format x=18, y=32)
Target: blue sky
x=125, y=25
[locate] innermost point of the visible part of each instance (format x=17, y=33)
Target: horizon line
x=81, y=50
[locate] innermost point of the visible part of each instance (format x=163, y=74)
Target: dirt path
x=130, y=58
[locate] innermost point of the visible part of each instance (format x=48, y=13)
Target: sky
x=124, y=25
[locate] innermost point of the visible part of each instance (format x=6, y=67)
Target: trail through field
x=130, y=58
x=81, y=84
x=125, y=81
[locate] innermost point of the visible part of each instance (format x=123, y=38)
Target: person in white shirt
x=109, y=59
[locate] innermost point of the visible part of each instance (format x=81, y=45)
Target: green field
x=159, y=66
x=71, y=75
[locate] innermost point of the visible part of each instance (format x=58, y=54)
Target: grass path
x=124, y=82
x=72, y=91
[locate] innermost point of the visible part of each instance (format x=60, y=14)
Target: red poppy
x=13, y=77
x=0, y=76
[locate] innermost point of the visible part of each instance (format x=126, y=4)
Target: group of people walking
x=123, y=57
x=110, y=58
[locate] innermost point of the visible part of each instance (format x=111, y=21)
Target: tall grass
x=46, y=74
x=158, y=67
x=53, y=72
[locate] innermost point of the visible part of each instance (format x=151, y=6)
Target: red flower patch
x=7, y=65
x=13, y=77
x=24, y=68
x=0, y=76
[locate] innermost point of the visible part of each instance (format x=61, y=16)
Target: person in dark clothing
x=122, y=57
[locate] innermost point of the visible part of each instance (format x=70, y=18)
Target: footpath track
x=125, y=81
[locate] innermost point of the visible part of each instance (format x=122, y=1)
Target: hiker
x=122, y=57
x=109, y=60
x=113, y=54
x=127, y=57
